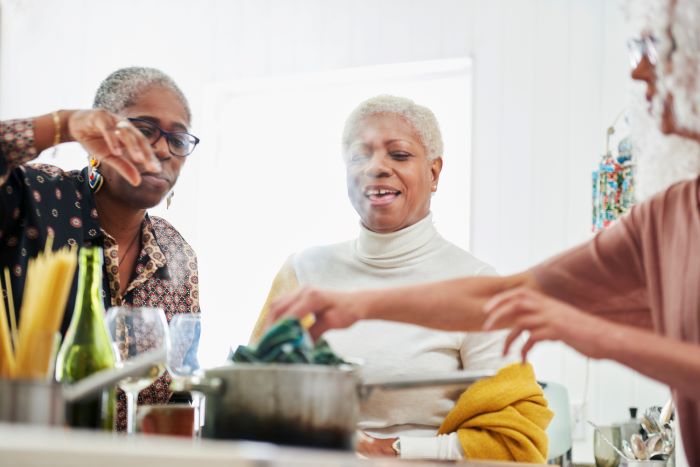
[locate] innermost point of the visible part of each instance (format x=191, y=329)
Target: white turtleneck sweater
x=413, y=255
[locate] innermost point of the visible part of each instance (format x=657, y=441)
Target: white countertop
x=23, y=445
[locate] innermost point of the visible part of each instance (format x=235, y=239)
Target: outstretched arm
x=665, y=359
x=105, y=136
x=460, y=302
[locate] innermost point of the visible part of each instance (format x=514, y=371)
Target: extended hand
x=546, y=319
x=113, y=140
x=332, y=310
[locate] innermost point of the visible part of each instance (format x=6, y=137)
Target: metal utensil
x=639, y=447
x=666, y=413
x=654, y=443
x=605, y=438
x=627, y=449
x=650, y=424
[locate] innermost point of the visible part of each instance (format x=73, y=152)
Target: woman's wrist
x=64, y=117
x=612, y=343
x=364, y=310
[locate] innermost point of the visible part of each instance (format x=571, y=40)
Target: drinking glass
x=605, y=455
x=183, y=361
x=135, y=331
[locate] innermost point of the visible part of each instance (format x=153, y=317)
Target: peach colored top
x=644, y=271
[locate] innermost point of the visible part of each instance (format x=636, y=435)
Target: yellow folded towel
x=502, y=418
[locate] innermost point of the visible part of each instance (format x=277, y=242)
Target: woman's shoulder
x=168, y=236
x=38, y=184
x=332, y=251
x=666, y=210
x=47, y=173
x=465, y=261
x=320, y=260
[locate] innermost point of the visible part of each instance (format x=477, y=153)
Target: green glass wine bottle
x=87, y=347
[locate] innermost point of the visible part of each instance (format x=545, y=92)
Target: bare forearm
x=665, y=359
x=45, y=129
x=454, y=305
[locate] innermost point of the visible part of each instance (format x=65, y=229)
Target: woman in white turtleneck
x=393, y=153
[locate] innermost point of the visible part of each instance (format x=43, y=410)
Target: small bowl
x=170, y=420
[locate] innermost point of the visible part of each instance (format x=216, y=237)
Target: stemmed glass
x=134, y=332
x=183, y=361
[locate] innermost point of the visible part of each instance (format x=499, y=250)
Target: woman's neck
x=120, y=221
x=396, y=247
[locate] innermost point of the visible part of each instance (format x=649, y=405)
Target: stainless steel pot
x=307, y=405
x=44, y=402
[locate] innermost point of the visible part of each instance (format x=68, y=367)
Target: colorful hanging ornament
x=613, y=184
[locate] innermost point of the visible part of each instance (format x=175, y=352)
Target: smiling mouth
x=381, y=196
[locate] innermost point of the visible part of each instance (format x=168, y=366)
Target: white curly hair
x=121, y=88
x=683, y=79
x=421, y=118
x=662, y=160
x=680, y=18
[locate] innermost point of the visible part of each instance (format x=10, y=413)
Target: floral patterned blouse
x=37, y=200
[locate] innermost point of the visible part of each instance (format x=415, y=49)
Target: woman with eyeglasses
x=137, y=140
x=631, y=294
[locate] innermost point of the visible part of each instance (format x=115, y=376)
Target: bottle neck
x=89, y=293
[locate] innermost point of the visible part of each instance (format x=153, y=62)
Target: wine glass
x=183, y=361
x=135, y=331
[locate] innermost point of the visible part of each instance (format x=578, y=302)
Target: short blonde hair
x=421, y=118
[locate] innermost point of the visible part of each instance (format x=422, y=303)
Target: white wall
x=550, y=75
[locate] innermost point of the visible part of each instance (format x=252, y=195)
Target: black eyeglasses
x=180, y=143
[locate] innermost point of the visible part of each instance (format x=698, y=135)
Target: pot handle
x=198, y=384
x=454, y=379
x=102, y=379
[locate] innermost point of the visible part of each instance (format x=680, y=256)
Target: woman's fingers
x=124, y=167
x=323, y=305
x=512, y=337
x=534, y=338
x=279, y=307
x=320, y=326
x=500, y=299
x=137, y=147
x=331, y=309
x=126, y=137
x=307, y=302
x=147, y=150
x=545, y=318
x=530, y=323
x=506, y=312
x=109, y=137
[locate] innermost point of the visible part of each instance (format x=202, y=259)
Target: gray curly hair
x=121, y=89
x=421, y=118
